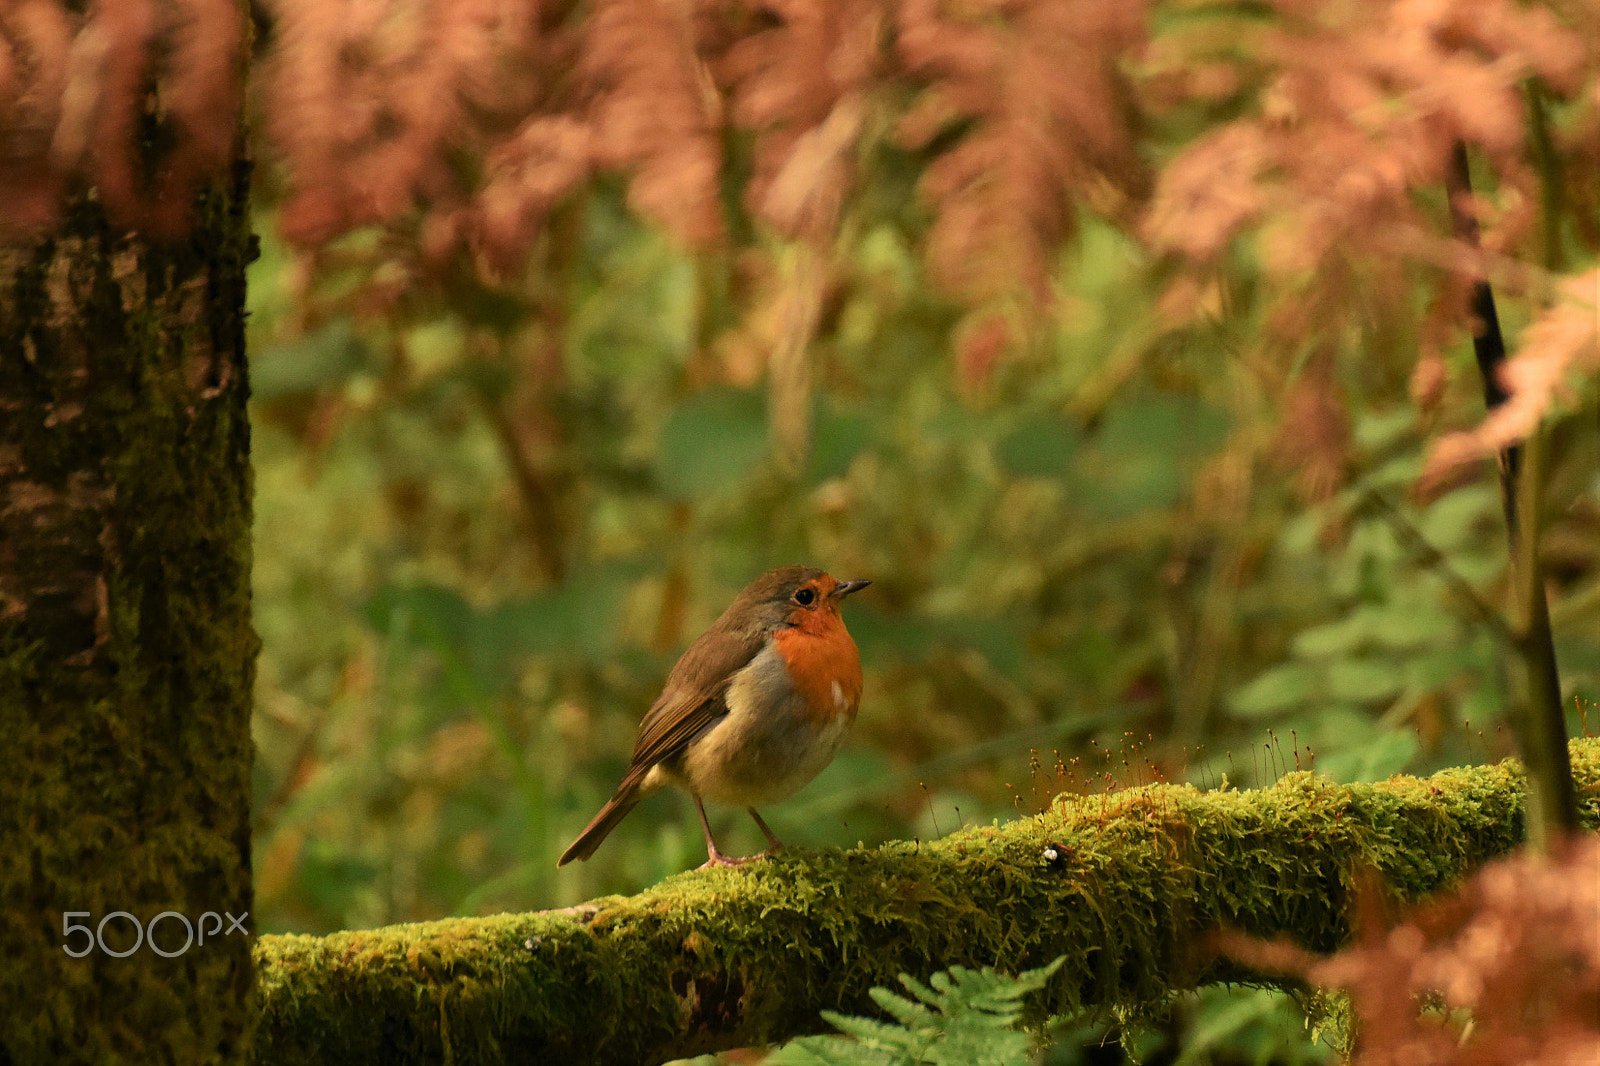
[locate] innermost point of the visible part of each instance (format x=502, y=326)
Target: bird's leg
x=774, y=845
x=716, y=857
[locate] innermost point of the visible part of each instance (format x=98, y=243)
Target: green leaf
x=579, y=619
x=1044, y=447
x=1335, y=728
x=1449, y=522
x=435, y=346
x=881, y=635
x=1411, y=623
x=839, y=438
x=1483, y=704
x=1165, y=424
x=435, y=612
x=906, y=1012
x=711, y=442
x=972, y=1022
x=873, y=1033
x=1433, y=670
x=1142, y=453
x=809, y=1051
x=1334, y=638
x=329, y=356
x=833, y=1051
x=1399, y=473
x=1364, y=680
x=1235, y=1024
x=1377, y=430
x=1382, y=757
x=1001, y=641
x=1279, y=689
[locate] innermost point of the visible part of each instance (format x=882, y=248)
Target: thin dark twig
x=1488, y=343
x=1542, y=727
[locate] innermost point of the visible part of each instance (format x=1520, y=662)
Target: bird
x=751, y=712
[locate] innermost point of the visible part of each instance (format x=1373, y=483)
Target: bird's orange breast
x=823, y=664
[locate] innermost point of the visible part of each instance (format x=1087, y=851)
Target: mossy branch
x=724, y=958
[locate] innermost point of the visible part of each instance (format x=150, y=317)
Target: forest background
x=1125, y=347
x=1094, y=337
x=1128, y=348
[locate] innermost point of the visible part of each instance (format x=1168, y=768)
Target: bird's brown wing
x=691, y=700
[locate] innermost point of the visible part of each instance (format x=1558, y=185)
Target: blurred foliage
x=1220, y=1025
x=1250, y=1025
x=481, y=543
x=484, y=534
x=1144, y=504
x=1156, y=520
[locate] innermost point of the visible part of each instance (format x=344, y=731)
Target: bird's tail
x=616, y=808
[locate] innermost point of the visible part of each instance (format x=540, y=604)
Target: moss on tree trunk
x=127, y=654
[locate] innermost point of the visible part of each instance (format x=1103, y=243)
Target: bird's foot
x=719, y=859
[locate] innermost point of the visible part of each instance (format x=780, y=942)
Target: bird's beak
x=845, y=588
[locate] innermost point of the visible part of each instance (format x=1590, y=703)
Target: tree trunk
x=127, y=655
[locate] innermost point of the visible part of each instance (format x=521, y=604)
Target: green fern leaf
x=959, y=1018
x=873, y=1033
x=909, y=1014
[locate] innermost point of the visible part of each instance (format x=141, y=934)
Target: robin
x=752, y=711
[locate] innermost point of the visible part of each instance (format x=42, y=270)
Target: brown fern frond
x=548, y=157
x=656, y=113
x=1512, y=957
x=1314, y=435
x=1211, y=192
x=981, y=342
x=1039, y=83
x=368, y=101
x=1517, y=947
x=1363, y=106
x=176, y=66
x=1360, y=110
x=803, y=86
x=35, y=41
x=138, y=99
x=120, y=32
x=203, y=92
x=1564, y=340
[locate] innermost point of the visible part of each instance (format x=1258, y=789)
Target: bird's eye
x=805, y=597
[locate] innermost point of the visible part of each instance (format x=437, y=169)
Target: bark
x=1127, y=887
x=126, y=648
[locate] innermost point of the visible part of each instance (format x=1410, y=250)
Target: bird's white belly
x=749, y=758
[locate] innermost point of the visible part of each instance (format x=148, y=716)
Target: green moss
x=126, y=675
x=722, y=958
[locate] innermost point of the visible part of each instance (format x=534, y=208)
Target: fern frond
x=875, y=1034
x=964, y=1018
x=904, y=1010
x=831, y=1051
